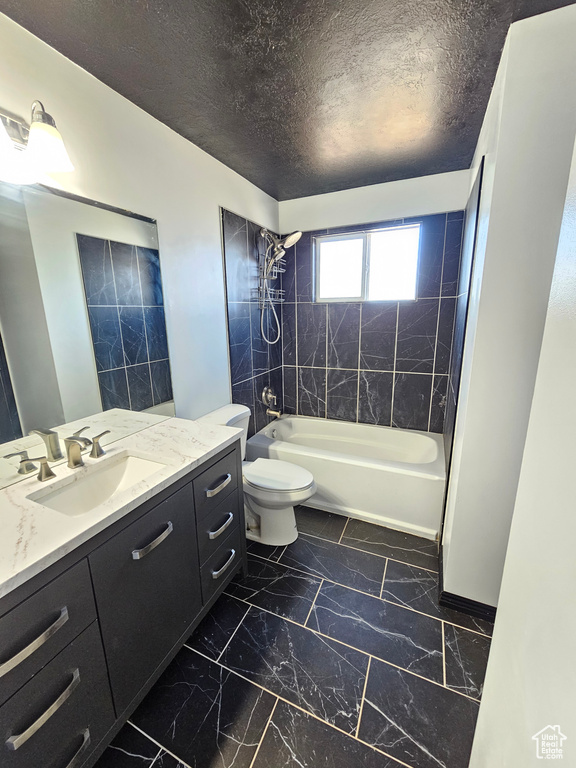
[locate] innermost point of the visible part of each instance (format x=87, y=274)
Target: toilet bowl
x=271, y=487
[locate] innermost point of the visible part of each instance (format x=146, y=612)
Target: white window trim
x=357, y=235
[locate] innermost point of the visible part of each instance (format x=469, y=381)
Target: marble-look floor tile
x=391, y=633
x=276, y=588
x=264, y=550
x=466, y=660
x=319, y=675
x=343, y=565
x=297, y=740
x=418, y=722
x=417, y=588
x=316, y=522
x=131, y=749
x=218, y=626
x=205, y=714
x=391, y=543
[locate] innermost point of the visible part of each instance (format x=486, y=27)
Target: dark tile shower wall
x=253, y=363
x=374, y=362
x=123, y=288
x=10, y=428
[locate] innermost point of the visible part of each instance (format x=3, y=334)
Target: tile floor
x=332, y=653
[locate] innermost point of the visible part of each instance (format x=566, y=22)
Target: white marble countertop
x=33, y=536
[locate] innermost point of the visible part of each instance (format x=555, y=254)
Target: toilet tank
x=230, y=416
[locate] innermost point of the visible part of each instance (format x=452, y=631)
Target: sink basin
x=95, y=484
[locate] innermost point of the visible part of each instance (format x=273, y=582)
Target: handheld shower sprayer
x=275, y=250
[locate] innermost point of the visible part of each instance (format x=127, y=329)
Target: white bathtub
x=392, y=477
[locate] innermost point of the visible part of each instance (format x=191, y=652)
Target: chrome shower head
x=280, y=244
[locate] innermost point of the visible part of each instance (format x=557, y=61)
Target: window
x=376, y=265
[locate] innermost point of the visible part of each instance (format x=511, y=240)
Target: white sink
x=95, y=484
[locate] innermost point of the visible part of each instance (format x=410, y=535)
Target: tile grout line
x=368, y=594
x=313, y=602
x=296, y=706
x=333, y=640
x=178, y=759
x=156, y=759
x=264, y=732
x=233, y=633
x=359, y=361
x=437, y=322
x=383, y=578
x=363, y=697
x=394, y=371
x=341, y=535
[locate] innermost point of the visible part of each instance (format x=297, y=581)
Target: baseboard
x=465, y=605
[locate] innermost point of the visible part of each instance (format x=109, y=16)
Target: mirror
x=82, y=327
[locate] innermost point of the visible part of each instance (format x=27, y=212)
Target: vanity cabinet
x=147, y=591
x=82, y=643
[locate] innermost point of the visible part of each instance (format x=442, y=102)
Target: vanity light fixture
x=29, y=151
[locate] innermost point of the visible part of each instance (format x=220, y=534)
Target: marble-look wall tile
x=259, y=409
x=432, y=233
x=238, y=267
x=304, y=271
x=126, y=273
x=274, y=350
x=290, y=375
x=133, y=335
x=259, y=346
x=416, y=721
x=412, y=393
x=289, y=333
x=378, y=335
x=445, y=334
x=311, y=334
x=289, y=277
x=438, y=405
x=106, y=337
x=240, y=341
x=312, y=392
x=114, y=389
x=150, y=277
x=415, y=344
x=156, y=333
x=97, y=273
x=342, y=395
x=375, y=397
x=161, y=381
x=243, y=394
x=140, y=387
x=275, y=382
x=343, y=335
x=451, y=270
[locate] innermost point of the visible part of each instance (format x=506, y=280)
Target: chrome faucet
x=74, y=447
x=26, y=464
x=85, y=441
x=53, y=451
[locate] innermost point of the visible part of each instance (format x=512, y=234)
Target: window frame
x=366, y=249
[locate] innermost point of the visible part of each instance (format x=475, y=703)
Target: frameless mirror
x=82, y=328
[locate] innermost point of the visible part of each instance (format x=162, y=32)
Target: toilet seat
x=278, y=476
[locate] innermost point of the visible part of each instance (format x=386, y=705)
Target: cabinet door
x=61, y=715
x=147, y=585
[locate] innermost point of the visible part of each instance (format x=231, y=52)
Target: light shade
x=46, y=148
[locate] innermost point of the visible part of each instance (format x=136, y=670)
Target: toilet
x=271, y=487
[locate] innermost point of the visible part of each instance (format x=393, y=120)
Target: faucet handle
x=79, y=431
x=26, y=465
x=86, y=442
x=45, y=471
x=74, y=447
x=97, y=449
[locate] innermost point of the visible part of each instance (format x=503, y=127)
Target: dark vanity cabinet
x=82, y=643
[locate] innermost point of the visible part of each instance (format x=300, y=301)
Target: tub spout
x=270, y=412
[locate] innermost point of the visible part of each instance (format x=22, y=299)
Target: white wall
x=54, y=222
x=377, y=202
x=527, y=137
x=531, y=675
x=128, y=159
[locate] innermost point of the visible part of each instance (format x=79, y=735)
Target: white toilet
x=271, y=487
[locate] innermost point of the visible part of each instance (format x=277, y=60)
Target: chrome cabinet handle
x=35, y=644
x=214, y=534
x=138, y=554
x=83, y=747
x=210, y=492
x=15, y=742
x=227, y=564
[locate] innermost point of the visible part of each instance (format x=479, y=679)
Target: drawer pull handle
x=83, y=747
x=210, y=492
x=227, y=564
x=35, y=644
x=138, y=554
x=214, y=534
x=15, y=742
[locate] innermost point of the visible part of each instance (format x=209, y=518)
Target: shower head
x=280, y=244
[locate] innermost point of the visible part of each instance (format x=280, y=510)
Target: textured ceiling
x=298, y=96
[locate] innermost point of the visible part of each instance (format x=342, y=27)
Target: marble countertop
x=34, y=536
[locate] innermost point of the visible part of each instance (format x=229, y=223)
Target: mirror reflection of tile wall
x=123, y=289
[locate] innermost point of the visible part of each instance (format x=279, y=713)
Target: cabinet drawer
x=214, y=528
x=147, y=592
x=36, y=630
x=215, y=483
x=58, y=717
x=221, y=564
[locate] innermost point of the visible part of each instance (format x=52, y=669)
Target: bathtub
x=387, y=476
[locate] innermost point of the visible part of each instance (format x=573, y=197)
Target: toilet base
x=276, y=527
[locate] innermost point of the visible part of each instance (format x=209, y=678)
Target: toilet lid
x=277, y=475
